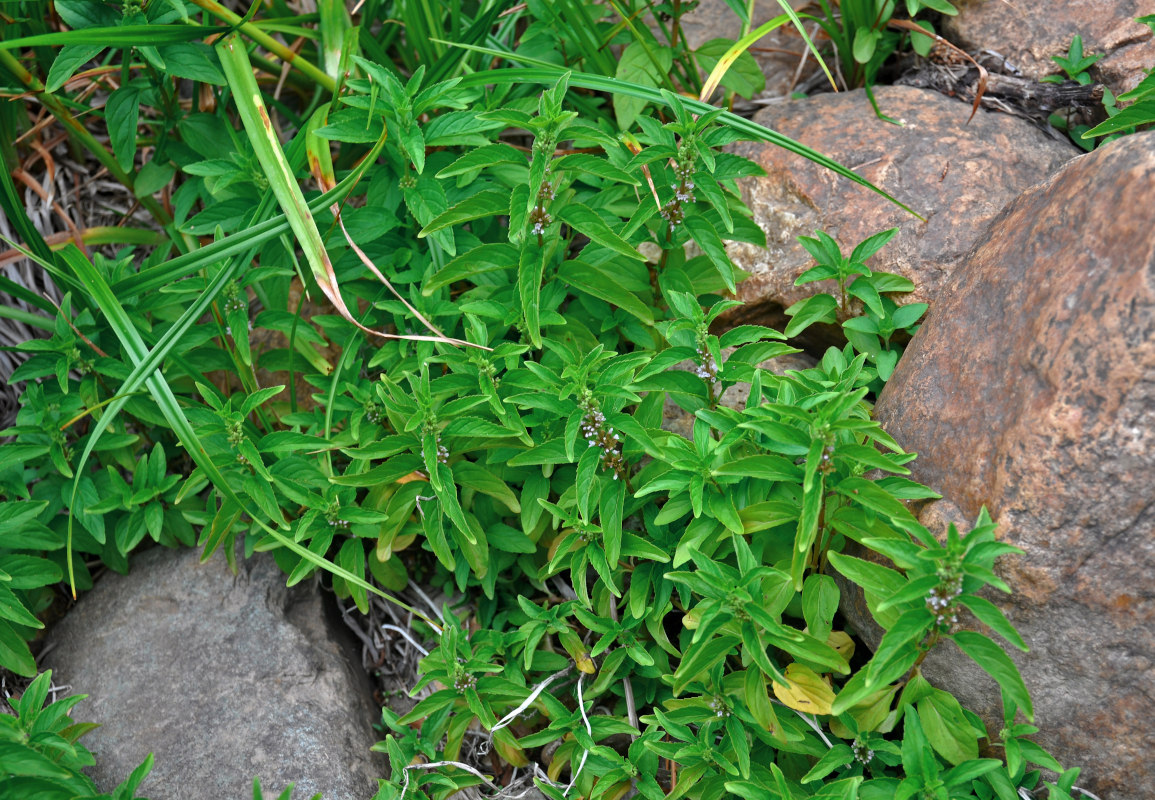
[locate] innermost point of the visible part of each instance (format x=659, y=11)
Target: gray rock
x=222, y=678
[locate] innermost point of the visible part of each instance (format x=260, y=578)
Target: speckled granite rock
x=1031, y=389
x=959, y=176
x=223, y=678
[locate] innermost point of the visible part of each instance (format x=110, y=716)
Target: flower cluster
x=598, y=434
x=719, y=706
x=862, y=754
x=442, y=452
x=332, y=514
x=707, y=370
x=234, y=301
x=673, y=211
x=941, y=599
x=541, y=218
x=463, y=680
x=374, y=413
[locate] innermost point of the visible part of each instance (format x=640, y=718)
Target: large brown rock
x=1029, y=34
x=1031, y=389
x=957, y=175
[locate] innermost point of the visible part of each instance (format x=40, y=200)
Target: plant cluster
x=39, y=751
x=864, y=38
x=640, y=611
x=1138, y=109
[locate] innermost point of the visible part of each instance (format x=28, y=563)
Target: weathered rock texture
x=1031, y=389
x=957, y=175
x=1028, y=34
x=221, y=677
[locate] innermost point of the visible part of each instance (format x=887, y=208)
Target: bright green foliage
x=548, y=269
x=863, y=38
x=1139, y=108
x=39, y=753
x=869, y=333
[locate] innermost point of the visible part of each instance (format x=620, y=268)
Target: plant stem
x=266, y=41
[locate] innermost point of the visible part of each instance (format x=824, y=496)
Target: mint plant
x=506, y=252
x=871, y=332
x=39, y=751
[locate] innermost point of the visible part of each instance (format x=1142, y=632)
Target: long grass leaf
x=119, y=36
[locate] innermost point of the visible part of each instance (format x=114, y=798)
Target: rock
x=957, y=175
x=1028, y=35
x=778, y=53
x=221, y=677
x=676, y=419
x=1031, y=389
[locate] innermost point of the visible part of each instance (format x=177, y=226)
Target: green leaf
x=998, y=665
x=593, y=165
x=804, y=313
x=195, y=61
x=819, y=604
x=1141, y=113
x=476, y=477
x=530, y=271
x=992, y=616
x=837, y=756
x=487, y=156
x=865, y=42
x=700, y=658
x=639, y=67
x=482, y=260
x=711, y=243
x=70, y=58
x=947, y=727
x=121, y=114
x=14, y=652
x=744, y=76
x=588, y=222
x=905, y=634
x=600, y=283
x=489, y=203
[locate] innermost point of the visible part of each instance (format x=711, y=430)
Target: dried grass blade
x=259, y=129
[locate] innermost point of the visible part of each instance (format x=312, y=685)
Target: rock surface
x=957, y=175
x=1029, y=34
x=221, y=677
x=1031, y=389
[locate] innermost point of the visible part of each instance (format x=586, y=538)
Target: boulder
x=1027, y=35
x=222, y=677
x=1030, y=389
x=957, y=175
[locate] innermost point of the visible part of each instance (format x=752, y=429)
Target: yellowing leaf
x=842, y=643
x=808, y=691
